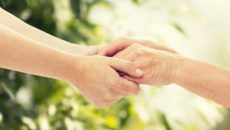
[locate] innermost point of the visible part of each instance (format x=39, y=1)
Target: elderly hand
x=163, y=66
x=100, y=83
x=123, y=43
x=159, y=67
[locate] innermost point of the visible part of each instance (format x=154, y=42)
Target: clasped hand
x=121, y=67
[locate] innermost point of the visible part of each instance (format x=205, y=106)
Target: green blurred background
x=197, y=29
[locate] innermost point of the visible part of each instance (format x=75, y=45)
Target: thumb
x=126, y=67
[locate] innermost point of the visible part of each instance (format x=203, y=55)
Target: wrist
x=178, y=69
x=91, y=50
x=83, y=50
x=72, y=67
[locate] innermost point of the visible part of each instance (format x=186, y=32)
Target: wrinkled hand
x=123, y=43
x=159, y=67
x=101, y=84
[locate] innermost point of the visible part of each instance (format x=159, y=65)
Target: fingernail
x=139, y=71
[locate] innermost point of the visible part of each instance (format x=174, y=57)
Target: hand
x=100, y=83
x=123, y=43
x=159, y=67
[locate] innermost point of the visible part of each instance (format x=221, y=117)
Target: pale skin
x=94, y=76
x=26, y=49
x=163, y=66
x=21, y=44
x=21, y=27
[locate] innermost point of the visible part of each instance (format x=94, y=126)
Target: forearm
x=205, y=79
x=25, y=55
x=21, y=27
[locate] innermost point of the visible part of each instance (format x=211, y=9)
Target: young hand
x=98, y=81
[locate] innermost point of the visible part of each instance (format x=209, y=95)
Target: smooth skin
x=163, y=66
x=94, y=76
x=28, y=31
x=26, y=49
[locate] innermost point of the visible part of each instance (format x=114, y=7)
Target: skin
x=156, y=65
x=96, y=77
x=28, y=31
x=123, y=43
x=161, y=66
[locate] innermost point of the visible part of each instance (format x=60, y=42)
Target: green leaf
x=165, y=121
x=178, y=28
x=76, y=7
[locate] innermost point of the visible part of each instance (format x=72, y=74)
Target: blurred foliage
x=41, y=14
x=34, y=103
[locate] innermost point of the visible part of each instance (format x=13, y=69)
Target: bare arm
x=161, y=67
x=205, y=79
x=21, y=27
x=20, y=53
x=25, y=55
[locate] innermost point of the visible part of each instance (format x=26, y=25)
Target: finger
x=122, y=55
x=150, y=44
x=132, y=79
x=128, y=53
x=126, y=67
x=127, y=87
x=114, y=48
x=111, y=50
x=130, y=56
